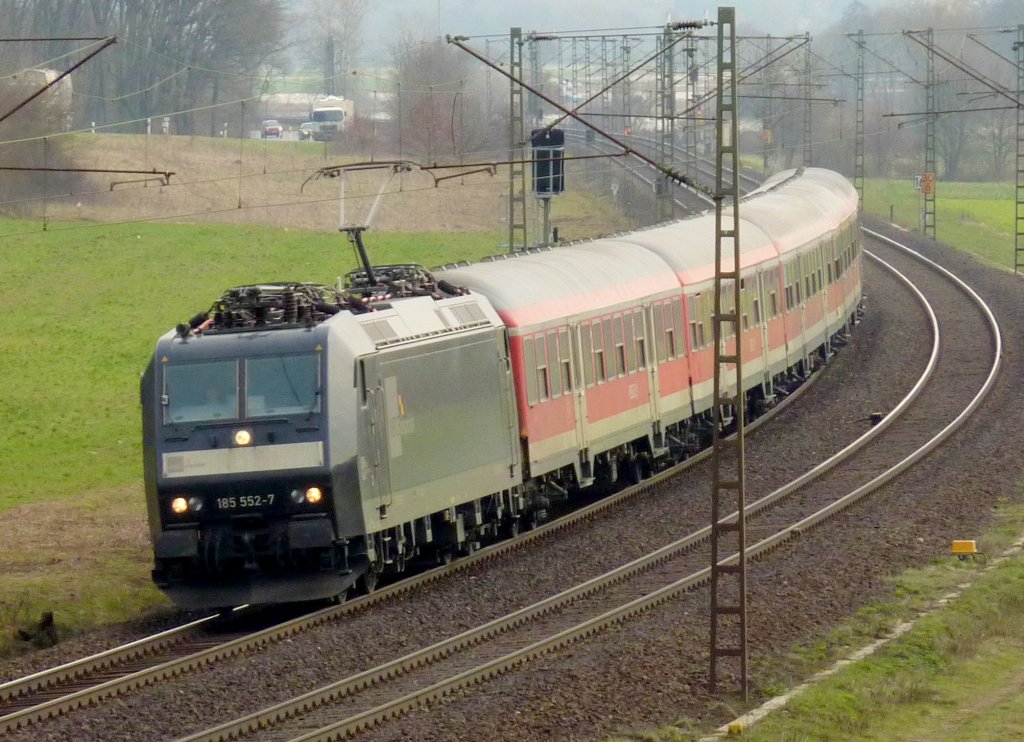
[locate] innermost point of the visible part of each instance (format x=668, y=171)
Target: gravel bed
x=652, y=671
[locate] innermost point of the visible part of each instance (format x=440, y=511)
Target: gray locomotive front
x=285, y=463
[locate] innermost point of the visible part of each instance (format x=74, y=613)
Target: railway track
x=80, y=683
x=649, y=576
x=60, y=690
x=956, y=378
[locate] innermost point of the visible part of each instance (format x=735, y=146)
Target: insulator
x=289, y=306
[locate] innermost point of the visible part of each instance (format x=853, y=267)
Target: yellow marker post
x=964, y=549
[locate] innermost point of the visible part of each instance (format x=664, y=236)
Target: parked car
x=272, y=129
x=308, y=129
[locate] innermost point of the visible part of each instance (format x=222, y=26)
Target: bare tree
x=440, y=101
x=339, y=24
x=172, y=55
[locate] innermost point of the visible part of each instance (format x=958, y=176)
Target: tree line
x=172, y=56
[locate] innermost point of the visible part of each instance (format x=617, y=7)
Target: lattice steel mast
x=664, y=113
x=928, y=179
x=728, y=597
x=858, y=156
x=516, y=147
x=1018, y=235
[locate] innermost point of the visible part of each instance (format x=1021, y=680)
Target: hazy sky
x=479, y=17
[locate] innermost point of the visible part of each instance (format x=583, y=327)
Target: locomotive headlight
x=179, y=506
x=243, y=437
x=195, y=504
x=311, y=496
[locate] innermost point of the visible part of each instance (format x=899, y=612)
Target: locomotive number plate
x=245, y=501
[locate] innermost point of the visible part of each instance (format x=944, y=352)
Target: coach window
x=641, y=339
x=790, y=295
x=529, y=366
x=697, y=324
x=677, y=328
x=691, y=306
x=629, y=339
x=616, y=335
x=609, y=348
x=599, y=345
x=543, y=388
x=564, y=354
x=587, y=354
x=553, y=376
x=659, y=332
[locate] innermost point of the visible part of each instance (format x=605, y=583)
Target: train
x=301, y=441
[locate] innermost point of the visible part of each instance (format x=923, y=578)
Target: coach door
x=583, y=353
x=647, y=352
x=508, y=403
x=761, y=318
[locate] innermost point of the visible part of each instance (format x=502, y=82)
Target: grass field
x=977, y=217
x=83, y=306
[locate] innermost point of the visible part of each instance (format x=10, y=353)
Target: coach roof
x=567, y=281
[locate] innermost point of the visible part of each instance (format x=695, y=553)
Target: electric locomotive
x=300, y=441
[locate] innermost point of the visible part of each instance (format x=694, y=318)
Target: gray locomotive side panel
x=448, y=426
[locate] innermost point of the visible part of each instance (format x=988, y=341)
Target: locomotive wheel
x=367, y=582
x=512, y=528
x=633, y=469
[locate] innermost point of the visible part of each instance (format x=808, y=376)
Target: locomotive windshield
x=201, y=391
x=281, y=385
x=209, y=391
